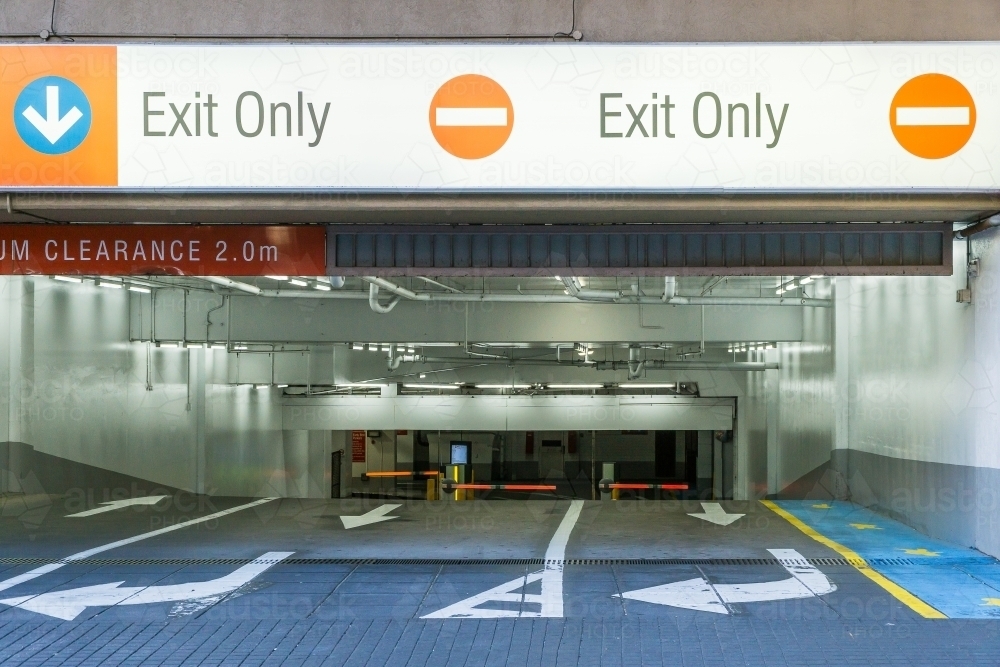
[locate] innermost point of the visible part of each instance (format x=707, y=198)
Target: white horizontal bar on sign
x=471, y=117
x=932, y=115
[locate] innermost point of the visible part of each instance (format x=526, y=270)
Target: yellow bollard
x=471, y=494
x=432, y=488
x=614, y=494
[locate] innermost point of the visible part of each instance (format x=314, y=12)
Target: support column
x=197, y=377
x=842, y=382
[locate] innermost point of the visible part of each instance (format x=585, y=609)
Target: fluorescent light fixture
x=218, y=346
x=240, y=347
x=193, y=345
x=648, y=385
x=575, y=386
x=109, y=283
x=779, y=291
x=557, y=278
x=282, y=386
x=410, y=350
x=167, y=344
x=277, y=277
x=503, y=386
x=322, y=287
x=357, y=385
x=67, y=279
x=140, y=290
x=298, y=283
x=806, y=280
x=261, y=386
x=357, y=346
x=431, y=386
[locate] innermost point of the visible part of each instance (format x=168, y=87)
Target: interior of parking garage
x=536, y=334
x=194, y=385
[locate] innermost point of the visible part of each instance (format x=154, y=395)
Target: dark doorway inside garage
x=398, y=463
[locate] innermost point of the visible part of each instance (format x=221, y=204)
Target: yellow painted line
x=861, y=565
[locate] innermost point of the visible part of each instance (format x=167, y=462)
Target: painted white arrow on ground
x=376, y=515
x=549, y=602
x=52, y=126
x=697, y=594
x=69, y=604
x=118, y=504
x=714, y=513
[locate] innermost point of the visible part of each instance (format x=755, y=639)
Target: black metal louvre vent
x=762, y=249
x=99, y=562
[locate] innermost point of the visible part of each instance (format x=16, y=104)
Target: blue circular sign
x=52, y=115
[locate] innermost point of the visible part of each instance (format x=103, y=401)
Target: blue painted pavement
x=958, y=581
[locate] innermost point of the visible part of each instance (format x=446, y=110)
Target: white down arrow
x=69, y=604
x=52, y=127
x=697, y=594
x=713, y=513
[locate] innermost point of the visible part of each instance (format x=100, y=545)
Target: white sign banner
x=503, y=117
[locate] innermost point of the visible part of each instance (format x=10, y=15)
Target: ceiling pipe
x=669, y=288
x=635, y=363
x=374, y=303
x=578, y=291
x=410, y=295
x=655, y=364
x=561, y=298
x=981, y=226
x=233, y=285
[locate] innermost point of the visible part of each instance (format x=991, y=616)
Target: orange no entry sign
x=932, y=116
x=471, y=116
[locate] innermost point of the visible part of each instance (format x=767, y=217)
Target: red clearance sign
x=176, y=250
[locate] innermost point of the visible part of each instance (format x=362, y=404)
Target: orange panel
x=94, y=162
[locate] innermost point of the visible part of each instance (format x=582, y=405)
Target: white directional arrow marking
x=118, y=504
x=697, y=594
x=714, y=513
x=550, y=601
x=69, y=604
x=376, y=515
x=52, y=126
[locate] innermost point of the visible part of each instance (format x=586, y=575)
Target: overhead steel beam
x=319, y=206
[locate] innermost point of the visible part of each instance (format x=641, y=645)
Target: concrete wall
x=76, y=390
x=599, y=20
x=911, y=356
x=801, y=425
x=890, y=400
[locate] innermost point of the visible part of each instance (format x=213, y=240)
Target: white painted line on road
x=713, y=513
x=700, y=595
x=69, y=604
x=551, y=598
x=117, y=505
x=374, y=516
x=45, y=569
x=937, y=116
